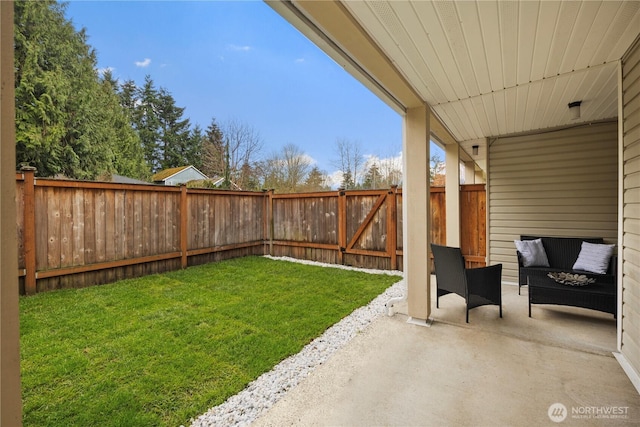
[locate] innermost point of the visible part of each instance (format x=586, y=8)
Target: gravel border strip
x=260, y=395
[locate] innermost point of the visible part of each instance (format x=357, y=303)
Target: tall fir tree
x=64, y=114
x=174, y=144
x=194, y=152
x=128, y=154
x=147, y=123
x=372, y=178
x=316, y=180
x=213, y=151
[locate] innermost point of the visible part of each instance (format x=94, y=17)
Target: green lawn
x=161, y=349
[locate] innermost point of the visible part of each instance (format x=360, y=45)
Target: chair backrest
x=450, y=270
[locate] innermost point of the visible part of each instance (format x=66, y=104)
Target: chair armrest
x=485, y=281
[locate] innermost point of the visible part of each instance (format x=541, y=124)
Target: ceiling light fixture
x=475, y=150
x=574, y=109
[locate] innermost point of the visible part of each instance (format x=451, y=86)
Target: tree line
x=75, y=122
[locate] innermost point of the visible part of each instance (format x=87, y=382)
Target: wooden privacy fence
x=76, y=233
x=364, y=228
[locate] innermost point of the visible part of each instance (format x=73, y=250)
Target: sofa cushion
x=533, y=253
x=594, y=258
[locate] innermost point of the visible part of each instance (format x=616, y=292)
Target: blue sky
x=239, y=60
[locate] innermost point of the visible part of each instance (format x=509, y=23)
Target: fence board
x=87, y=233
x=20, y=219
x=54, y=228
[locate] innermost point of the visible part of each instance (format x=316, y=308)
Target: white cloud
x=388, y=162
x=309, y=159
x=334, y=179
x=144, y=63
x=299, y=61
x=237, y=48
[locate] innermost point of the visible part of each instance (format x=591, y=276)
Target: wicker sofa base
x=597, y=296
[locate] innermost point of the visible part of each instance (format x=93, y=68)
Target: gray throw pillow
x=533, y=254
x=594, y=258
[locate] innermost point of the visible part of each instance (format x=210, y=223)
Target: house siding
x=630, y=323
x=185, y=176
x=559, y=183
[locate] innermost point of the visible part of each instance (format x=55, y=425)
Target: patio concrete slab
x=490, y=372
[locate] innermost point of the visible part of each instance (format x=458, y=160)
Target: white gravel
x=246, y=406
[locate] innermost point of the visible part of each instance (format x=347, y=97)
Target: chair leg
x=467, y=314
x=437, y=300
x=519, y=286
x=501, y=310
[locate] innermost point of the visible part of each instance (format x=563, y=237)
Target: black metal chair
x=478, y=286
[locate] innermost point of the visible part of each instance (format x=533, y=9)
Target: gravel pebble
x=246, y=406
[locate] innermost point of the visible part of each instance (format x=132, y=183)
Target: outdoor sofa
x=540, y=255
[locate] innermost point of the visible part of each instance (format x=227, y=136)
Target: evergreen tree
x=128, y=155
x=316, y=180
x=372, y=178
x=213, y=151
x=347, y=181
x=148, y=124
x=64, y=114
x=193, y=154
x=174, y=132
x=128, y=96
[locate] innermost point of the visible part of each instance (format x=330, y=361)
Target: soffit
x=491, y=68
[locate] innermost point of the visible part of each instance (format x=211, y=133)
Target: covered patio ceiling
x=486, y=68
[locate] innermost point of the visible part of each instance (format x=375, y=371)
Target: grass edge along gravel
x=162, y=349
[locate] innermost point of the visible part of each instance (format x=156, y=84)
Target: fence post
x=183, y=225
x=269, y=220
x=392, y=230
x=29, y=234
x=342, y=224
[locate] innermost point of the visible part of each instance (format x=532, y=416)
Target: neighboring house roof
x=180, y=174
x=166, y=173
x=120, y=179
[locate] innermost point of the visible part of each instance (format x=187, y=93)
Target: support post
x=452, y=191
x=342, y=224
x=29, y=234
x=10, y=395
x=183, y=226
x=392, y=224
x=415, y=211
x=269, y=224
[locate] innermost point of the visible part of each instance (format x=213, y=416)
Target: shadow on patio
x=491, y=371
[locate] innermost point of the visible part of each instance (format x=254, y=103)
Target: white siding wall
x=631, y=213
x=560, y=183
x=185, y=176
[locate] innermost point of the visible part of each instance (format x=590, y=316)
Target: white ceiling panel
x=473, y=34
x=546, y=20
x=528, y=25
x=621, y=32
x=491, y=68
x=490, y=22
